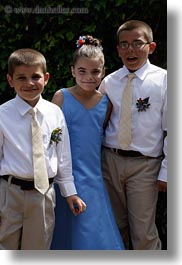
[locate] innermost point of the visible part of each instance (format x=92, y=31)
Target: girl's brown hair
x=89, y=47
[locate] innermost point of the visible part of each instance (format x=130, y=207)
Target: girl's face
x=28, y=82
x=88, y=73
x=134, y=57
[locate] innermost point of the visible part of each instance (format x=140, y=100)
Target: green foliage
x=53, y=28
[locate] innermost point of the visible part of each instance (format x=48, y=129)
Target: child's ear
x=46, y=78
x=73, y=71
x=152, y=47
x=10, y=80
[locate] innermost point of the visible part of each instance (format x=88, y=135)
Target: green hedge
x=53, y=28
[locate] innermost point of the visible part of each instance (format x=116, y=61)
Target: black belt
x=128, y=153
x=24, y=184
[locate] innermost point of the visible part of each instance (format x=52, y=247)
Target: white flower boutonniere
x=56, y=136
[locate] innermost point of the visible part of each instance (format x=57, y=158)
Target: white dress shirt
x=16, y=146
x=147, y=126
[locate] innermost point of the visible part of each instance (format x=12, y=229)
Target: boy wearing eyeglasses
x=134, y=172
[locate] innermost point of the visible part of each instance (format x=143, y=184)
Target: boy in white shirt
x=27, y=215
x=133, y=172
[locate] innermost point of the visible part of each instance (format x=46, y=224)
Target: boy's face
x=28, y=82
x=134, y=57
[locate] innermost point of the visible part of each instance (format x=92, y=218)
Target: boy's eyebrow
x=23, y=74
x=127, y=41
x=19, y=75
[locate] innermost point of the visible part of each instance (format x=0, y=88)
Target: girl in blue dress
x=86, y=111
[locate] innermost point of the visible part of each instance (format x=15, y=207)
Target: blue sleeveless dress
x=95, y=229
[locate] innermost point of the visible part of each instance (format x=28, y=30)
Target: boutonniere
x=142, y=104
x=56, y=136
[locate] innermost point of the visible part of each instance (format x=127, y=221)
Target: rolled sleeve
x=64, y=177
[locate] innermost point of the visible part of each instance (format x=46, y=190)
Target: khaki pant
x=131, y=183
x=26, y=218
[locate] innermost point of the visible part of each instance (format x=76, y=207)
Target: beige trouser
x=131, y=183
x=26, y=218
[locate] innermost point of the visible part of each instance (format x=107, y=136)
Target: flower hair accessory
x=142, y=104
x=88, y=40
x=56, y=136
x=80, y=41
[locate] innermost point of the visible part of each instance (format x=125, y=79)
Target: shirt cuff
x=66, y=189
x=163, y=174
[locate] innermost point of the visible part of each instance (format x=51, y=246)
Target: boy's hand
x=161, y=186
x=77, y=206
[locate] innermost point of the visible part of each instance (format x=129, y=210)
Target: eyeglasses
x=136, y=44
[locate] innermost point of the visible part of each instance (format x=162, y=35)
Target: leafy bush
x=53, y=28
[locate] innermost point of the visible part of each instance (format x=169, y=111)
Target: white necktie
x=124, y=136
x=41, y=182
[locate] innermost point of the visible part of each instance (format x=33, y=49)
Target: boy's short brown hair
x=133, y=24
x=28, y=57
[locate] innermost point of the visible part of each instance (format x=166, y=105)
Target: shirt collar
x=140, y=73
x=143, y=71
x=24, y=107
x=41, y=106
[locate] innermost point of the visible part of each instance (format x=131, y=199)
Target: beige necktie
x=124, y=136
x=41, y=182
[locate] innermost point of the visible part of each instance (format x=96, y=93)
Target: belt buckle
x=27, y=186
x=115, y=151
